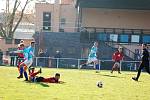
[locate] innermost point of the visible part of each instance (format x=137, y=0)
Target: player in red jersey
x=20, y=58
x=34, y=78
x=117, y=57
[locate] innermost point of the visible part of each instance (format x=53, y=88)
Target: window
x=46, y=21
x=146, y=39
x=63, y=21
x=124, y=38
x=61, y=30
x=113, y=37
x=135, y=38
x=17, y=41
x=8, y=41
x=102, y=37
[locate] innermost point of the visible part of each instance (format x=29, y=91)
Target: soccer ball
x=99, y=84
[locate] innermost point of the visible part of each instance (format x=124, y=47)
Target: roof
x=115, y=4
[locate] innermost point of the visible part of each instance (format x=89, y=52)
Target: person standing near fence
x=117, y=57
x=1, y=57
x=144, y=62
x=41, y=60
x=57, y=56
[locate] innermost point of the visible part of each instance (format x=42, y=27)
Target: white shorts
x=28, y=63
x=117, y=64
x=90, y=60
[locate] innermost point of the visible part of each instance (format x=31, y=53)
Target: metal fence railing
x=73, y=63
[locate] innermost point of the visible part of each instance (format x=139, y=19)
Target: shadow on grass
x=110, y=76
x=42, y=84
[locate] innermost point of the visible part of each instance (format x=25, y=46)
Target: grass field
x=79, y=85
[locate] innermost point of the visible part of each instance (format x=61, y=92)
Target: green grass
x=79, y=85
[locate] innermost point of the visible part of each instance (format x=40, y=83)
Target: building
x=111, y=22
x=57, y=17
x=25, y=31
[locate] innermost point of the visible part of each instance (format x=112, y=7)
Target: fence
x=73, y=63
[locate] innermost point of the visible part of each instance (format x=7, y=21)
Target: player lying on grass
x=34, y=78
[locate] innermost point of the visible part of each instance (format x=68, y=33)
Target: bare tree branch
x=22, y=13
x=12, y=17
x=3, y=32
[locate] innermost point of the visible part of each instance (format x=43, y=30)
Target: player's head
x=21, y=45
x=144, y=45
x=21, y=41
x=32, y=69
x=120, y=49
x=32, y=43
x=96, y=44
x=57, y=76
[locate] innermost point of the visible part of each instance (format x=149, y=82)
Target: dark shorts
x=39, y=79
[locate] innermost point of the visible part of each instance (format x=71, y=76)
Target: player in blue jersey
x=92, y=58
x=28, y=60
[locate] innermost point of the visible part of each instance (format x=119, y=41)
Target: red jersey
x=117, y=56
x=50, y=80
x=20, y=55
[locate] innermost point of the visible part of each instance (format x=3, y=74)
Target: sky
x=28, y=9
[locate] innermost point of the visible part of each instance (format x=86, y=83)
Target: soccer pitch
x=79, y=85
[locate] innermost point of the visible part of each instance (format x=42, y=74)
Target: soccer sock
x=97, y=66
x=21, y=71
x=34, y=74
x=26, y=75
x=118, y=70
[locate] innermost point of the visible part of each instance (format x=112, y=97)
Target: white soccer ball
x=99, y=84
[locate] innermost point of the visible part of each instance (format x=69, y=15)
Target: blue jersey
x=93, y=52
x=25, y=53
x=30, y=52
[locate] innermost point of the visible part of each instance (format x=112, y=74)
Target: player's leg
x=34, y=74
x=96, y=64
x=39, y=79
x=27, y=63
x=146, y=64
x=139, y=72
x=21, y=69
x=113, y=67
x=118, y=67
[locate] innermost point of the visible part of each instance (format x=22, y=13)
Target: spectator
x=57, y=55
x=1, y=57
x=42, y=60
x=12, y=58
x=46, y=59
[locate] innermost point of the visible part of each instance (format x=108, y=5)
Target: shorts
x=39, y=79
x=117, y=64
x=28, y=63
x=90, y=60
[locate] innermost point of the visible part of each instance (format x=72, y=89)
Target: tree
x=7, y=31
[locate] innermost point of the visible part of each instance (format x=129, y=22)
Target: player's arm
x=31, y=53
x=113, y=56
x=18, y=51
